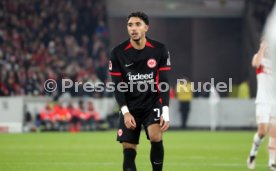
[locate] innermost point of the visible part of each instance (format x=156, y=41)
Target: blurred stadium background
x=47, y=39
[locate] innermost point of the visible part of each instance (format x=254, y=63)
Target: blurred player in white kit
x=264, y=61
x=270, y=36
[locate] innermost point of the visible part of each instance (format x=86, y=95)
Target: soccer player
x=270, y=36
x=264, y=103
x=141, y=61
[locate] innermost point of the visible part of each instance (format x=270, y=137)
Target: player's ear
x=146, y=27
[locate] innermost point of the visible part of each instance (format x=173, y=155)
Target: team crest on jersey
x=110, y=65
x=151, y=63
x=120, y=132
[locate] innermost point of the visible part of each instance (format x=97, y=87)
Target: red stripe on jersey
x=128, y=46
x=148, y=44
x=164, y=68
x=260, y=70
x=115, y=73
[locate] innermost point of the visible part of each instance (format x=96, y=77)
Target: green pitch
x=98, y=151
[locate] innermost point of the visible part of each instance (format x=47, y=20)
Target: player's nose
x=133, y=29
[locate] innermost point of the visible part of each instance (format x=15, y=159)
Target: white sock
x=271, y=151
x=271, y=160
x=255, y=145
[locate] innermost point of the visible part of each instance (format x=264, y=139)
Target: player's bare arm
x=256, y=61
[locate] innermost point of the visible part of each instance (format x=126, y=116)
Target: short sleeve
x=165, y=62
x=113, y=66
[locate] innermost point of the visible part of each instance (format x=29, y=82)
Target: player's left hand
x=165, y=119
x=164, y=124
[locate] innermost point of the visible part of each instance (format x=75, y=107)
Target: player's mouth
x=134, y=34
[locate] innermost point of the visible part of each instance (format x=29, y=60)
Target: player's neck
x=140, y=44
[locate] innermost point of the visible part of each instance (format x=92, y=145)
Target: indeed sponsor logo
x=139, y=76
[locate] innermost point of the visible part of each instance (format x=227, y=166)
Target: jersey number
x=158, y=112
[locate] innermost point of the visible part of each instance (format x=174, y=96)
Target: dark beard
x=136, y=40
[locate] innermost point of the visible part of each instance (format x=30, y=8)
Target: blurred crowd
x=70, y=115
x=65, y=117
x=43, y=39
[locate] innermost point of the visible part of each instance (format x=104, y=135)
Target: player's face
x=136, y=28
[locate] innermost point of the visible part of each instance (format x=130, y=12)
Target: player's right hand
x=129, y=121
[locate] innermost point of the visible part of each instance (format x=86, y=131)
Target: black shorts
x=132, y=136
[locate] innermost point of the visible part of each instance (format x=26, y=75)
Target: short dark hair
x=140, y=15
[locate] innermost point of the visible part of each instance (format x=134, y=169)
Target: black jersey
x=140, y=66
